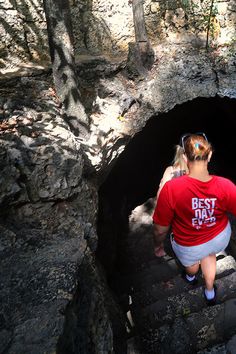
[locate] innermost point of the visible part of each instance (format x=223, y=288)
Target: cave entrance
x=136, y=175
x=134, y=181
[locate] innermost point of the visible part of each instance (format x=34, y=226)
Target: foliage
x=202, y=16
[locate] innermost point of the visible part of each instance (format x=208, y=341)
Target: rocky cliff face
x=179, y=74
x=52, y=290
x=106, y=27
x=48, y=213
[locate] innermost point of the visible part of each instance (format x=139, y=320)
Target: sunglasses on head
x=185, y=136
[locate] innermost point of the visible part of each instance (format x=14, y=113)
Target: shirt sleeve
x=163, y=213
x=231, y=197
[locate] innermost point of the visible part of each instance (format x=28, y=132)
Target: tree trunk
x=141, y=55
x=209, y=24
x=60, y=38
x=139, y=21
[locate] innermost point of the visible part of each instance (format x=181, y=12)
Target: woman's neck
x=199, y=170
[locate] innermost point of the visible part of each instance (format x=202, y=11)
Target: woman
x=196, y=207
x=178, y=168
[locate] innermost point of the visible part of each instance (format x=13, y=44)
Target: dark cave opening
x=136, y=175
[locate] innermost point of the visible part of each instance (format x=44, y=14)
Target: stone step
x=138, y=248
x=155, y=272
x=132, y=346
x=176, y=285
x=167, y=309
x=190, y=334
x=225, y=348
x=216, y=349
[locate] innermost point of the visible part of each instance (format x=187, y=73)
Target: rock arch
x=137, y=172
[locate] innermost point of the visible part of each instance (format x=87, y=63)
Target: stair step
x=138, y=247
x=132, y=346
x=176, y=285
x=217, y=349
x=155, y=272
x=211, y=326
x=159, y=290
x=167, y=309
x=224, y=265
x=225, y=348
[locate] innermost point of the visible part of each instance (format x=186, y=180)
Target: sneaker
x=211, y=302
x=192, y=282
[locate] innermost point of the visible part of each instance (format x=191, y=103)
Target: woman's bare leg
x=193, y=269
x=208, y=266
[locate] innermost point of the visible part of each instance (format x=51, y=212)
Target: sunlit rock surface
x=47, y=222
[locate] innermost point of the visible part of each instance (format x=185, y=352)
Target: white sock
x=210, y=294
x=190, y=277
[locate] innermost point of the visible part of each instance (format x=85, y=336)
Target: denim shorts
x=190, y=255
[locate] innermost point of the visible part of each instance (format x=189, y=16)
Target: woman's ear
x=209, y=156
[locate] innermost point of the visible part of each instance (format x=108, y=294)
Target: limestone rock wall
x=23, y=33
x=106, y=27
x=102, y=26
x=47, y=224
x=122, y=106
x=48, y=205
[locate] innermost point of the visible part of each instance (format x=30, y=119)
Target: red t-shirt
x=195, y=209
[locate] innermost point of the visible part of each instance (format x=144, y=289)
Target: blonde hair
x=178, y=160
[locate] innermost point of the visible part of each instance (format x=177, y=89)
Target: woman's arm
x=167, y=176
x=159, y=235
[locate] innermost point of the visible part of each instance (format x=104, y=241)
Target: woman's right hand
x=159, y=251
